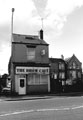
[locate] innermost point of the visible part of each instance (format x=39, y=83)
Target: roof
x=69, y=59
x=53, y=60
x=29, y=39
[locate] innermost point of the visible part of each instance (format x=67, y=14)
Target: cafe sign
x=27, y=70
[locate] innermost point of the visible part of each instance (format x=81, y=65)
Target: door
x=22, y=86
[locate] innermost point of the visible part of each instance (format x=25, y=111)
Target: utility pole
x=11, y=66
x=12, y=24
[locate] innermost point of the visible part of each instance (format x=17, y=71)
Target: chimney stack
x=41, y=34
x=62, y=57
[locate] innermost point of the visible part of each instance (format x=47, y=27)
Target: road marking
x=62, y=108
x=14, y=113
x=77, y=107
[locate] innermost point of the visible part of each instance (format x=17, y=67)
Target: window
x=44, y=79
x=31, y=53
x=30, y=79
x=74, y=74
x=79, y=74
x=22, y=83
x=61, y=66
x=74, y=65
x=36, y=79
x=61, y=75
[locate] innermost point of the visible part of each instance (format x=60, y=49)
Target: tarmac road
x=56, y=108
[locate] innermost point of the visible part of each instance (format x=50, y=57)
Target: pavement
x=19, y=98
x=43, y=96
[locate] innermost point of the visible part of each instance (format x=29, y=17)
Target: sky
x=62, y=25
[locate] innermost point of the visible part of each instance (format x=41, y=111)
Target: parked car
x=6, y=90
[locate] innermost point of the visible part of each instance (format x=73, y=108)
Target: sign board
x=27, y=70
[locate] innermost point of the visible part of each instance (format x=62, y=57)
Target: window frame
x=61, y=66
x=31, y=57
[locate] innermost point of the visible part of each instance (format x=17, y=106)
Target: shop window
x=37, y=79
x=72, y=74
x=44, y=79
x=33, y=79
x=31, y=53
x=30, y=79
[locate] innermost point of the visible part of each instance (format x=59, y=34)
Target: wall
x=42, y=58
x=37, y=88
x=20, y=53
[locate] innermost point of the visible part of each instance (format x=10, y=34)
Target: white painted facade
x=31, y=76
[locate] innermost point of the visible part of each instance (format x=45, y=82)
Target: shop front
x=31, y=80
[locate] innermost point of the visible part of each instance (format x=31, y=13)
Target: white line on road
x=42, y=110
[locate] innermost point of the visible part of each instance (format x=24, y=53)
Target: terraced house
x=57, y=74
x=29, y=68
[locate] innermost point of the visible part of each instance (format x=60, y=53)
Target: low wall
x=37, y=88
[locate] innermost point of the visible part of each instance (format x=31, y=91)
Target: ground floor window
x=72, y=74
x=55, y=76
x=44, y=79
x=79, y=74
x=36, y=79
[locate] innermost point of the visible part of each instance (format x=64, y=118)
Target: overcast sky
x=62, y=25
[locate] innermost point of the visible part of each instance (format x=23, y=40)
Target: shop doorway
x=22, y=86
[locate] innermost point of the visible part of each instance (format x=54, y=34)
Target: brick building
x=29, y=64
x=57, y=74
x=74, y=70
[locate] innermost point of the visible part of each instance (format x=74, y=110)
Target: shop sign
x=27, y=70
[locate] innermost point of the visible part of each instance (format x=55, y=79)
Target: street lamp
x=12, y=24
x=11, y=46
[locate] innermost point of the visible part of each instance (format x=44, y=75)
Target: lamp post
x=12, y=24
x=11, y=66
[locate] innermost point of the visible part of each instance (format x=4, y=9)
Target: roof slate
x=53, y=60
x=69, y=59
x=29, y=39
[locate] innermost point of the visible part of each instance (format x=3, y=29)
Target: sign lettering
x=27, y=70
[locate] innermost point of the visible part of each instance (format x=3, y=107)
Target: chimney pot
x=41, y=34
x=62, y=57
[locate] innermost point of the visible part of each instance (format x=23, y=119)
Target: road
x=57, y=108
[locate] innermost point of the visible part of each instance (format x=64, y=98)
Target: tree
x=4, y=79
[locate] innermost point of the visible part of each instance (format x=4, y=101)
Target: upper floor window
x=31, y=53
x=61, y=66
x=61, y=75
x=74, y=65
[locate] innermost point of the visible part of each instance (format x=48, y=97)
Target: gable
x=74, y=62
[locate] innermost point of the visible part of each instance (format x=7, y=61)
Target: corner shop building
x=29, y=64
